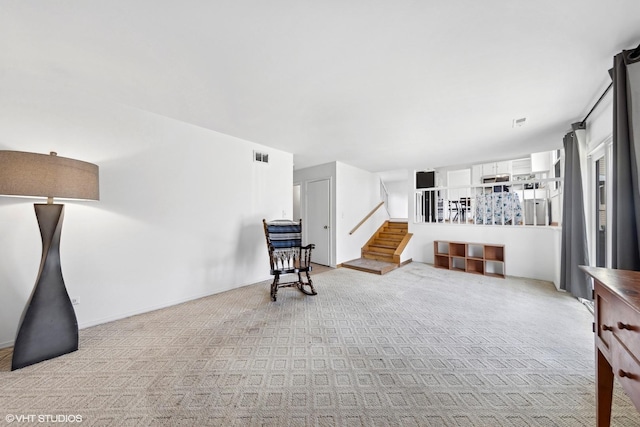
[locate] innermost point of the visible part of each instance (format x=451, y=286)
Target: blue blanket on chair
x=285, y=234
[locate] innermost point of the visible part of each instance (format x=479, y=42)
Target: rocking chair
x=288, y=256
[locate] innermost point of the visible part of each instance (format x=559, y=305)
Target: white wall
x=600, y=123
x=180, y=210
x=398, y=198
x=532, y=252
x=357, y=193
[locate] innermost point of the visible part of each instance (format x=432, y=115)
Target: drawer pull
x=624, y=374
x=625, y=326
x=607, y=328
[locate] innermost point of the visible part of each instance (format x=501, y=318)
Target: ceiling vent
x=518, y=123
x=260, y=157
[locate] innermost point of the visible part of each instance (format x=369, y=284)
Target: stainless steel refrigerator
x=535, y=208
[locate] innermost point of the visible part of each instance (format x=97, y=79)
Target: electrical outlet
x=75, y=301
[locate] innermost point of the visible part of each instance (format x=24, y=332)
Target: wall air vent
x=260, y=157
x=518, y=123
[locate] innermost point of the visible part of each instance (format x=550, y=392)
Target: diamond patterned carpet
x=418, y=346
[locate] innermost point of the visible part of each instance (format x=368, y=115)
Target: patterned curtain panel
x=626, y=158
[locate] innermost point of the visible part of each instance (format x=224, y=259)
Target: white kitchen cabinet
x=503, y=168
x=476, y=174
x=488, y=169
x=521, y=166
x=496, y=168
x=540, y=162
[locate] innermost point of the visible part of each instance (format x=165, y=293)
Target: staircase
x=382, y=253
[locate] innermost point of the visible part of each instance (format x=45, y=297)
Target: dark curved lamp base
x=48, y=327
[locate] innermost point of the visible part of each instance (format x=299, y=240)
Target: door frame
x=297, y=203
x=305, y=215
x=602, y=150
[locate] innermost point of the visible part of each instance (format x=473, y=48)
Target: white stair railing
x=506, y=203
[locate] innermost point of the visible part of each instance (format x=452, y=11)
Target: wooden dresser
x=617, y=336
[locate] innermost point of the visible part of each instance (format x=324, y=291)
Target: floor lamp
x=48, y=327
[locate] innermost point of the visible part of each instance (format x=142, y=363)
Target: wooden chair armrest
x=305, y=255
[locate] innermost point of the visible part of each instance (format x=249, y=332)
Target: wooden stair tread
x=375, y=253
x=379, y=252
x=379, y=257
x=370, y=266
x=370, y=252
x=391, y=236
x=386, y=242
x=381, y=245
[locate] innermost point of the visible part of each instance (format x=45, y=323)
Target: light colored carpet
x=319, y=268
x=416, y=347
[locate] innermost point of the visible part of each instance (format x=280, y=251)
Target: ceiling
x=377, y=84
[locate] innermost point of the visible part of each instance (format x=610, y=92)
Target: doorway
x=600, y=213
x=296, y=203
x=318, y=220
x=599, y=207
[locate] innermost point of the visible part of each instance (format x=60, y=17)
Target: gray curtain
x=626, y=146
x=574, y=231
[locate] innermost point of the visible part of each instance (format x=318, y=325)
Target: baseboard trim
x=124, y=315
x=167, y=304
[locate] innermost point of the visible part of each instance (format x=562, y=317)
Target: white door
x=318, y=226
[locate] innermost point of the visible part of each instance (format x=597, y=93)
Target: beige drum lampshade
x=42, y=175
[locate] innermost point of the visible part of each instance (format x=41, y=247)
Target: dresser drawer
x=627, y=370
x=625, y=324
x=604, y=302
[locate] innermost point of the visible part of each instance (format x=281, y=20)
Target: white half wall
x=179, y=215
x=532, y=252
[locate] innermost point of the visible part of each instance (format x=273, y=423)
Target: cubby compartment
x=475, y=251
x=458, y=263
x=441, y=248
x=475, y=266
x=441, y=261
x=494, y=253
x=457, y=249
x=477, y=258
x=494, y=268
